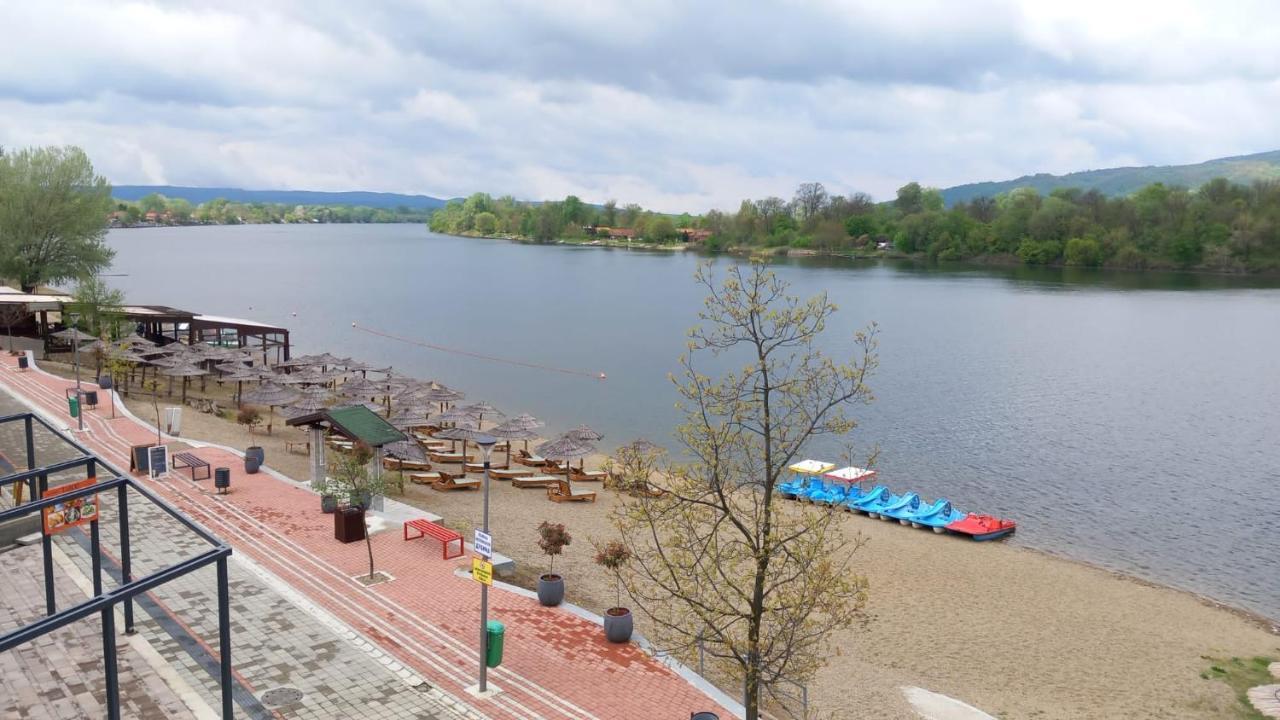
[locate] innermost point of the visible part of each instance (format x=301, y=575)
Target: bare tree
x=810, y=199
x=11, y=314
x=714, y=559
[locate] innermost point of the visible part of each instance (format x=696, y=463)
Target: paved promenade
x=406, y=648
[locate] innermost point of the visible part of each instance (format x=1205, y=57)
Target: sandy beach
x=1015, y=632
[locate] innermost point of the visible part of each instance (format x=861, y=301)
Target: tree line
x=571, y=218
x=1221, y=226
x=156, y=208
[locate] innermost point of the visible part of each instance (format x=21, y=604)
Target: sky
x=679, y=106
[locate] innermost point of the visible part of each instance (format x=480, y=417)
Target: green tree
x=53, y=216
x=759, y=583
x=1083, y=251
x=154, y=202
x=910, y=198
x=97, y=306
x=660, y=229
x=486, y=223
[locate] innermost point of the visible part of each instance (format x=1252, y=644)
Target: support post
x=95, y=549
x=126, y=561
x=224, y=639
x=46, y=546
x=109, y=662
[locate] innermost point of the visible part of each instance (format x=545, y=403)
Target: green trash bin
x=494, y=631
x=74, y=405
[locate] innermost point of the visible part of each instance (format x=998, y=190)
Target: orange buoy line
x=480, y=356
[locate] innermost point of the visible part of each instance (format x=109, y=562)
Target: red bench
x=439, y=532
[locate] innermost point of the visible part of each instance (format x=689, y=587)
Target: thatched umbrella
x=186, y=371
x=135, y=340
x=404, y=450
x=273, y=396
x=567, y=449
x=443, y=395
x=361, y=387
x=74, y=335
x=371, y=406
x=466, y=431
x=481, y=409
x=408, y=417
x=510, y=432
x=584, y=433
x=240, y=374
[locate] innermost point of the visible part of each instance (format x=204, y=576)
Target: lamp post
x=485, y=442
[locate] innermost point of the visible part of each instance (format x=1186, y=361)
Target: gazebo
x=357, y=423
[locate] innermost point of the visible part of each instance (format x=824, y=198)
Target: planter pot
x=617, y=625
x=251, y=465
x=255, y=451
x=328, y=503
x=550, y=590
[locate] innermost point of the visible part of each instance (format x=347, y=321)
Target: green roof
x=356, y=422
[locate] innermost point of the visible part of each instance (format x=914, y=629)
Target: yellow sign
x=482, y=571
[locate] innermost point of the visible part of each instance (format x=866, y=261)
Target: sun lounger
x=423, y=478
x=455, y=458
x=454, y=482
x=398, y=464
x=564, y=491
x=533, y=461
x=535, y=481
x=478, y=467
x=509, y=473
x=577, y=475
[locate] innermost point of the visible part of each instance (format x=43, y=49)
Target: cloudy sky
x=677, y=105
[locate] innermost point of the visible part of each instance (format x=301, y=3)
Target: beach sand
x=1015, y=632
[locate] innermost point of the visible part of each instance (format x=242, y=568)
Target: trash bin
x=105, y=382
x=91, y=398
x=494, y=631
x=704, y=716
x=222, y=478
x=73, y=404
x=23, y=362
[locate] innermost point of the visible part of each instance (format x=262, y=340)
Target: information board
x=158, y=459
x=71, y=513
x=484, y=544
x=481, y=571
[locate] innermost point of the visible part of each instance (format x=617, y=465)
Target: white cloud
x=674, y=105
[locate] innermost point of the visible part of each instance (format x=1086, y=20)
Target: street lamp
x=485, y=442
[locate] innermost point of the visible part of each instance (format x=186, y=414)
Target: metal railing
x=105, y=602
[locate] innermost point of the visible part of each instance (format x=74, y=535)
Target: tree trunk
x=368, y=544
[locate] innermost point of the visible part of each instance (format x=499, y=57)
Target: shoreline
x=1256, y=618
x=982, y=261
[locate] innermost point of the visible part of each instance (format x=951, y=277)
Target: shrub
x=1083, y=251
x=1039, y=252
x=1129, y=257
x=553, y=538
x=613, y=556
x=249, y=417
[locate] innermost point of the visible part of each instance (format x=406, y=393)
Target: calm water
x=1128, y=420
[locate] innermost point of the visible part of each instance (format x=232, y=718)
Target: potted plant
x=617, y=619
x=552, y=538
x=254, y=455
x=328, y=500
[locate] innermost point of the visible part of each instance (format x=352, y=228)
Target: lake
x=1125, y=419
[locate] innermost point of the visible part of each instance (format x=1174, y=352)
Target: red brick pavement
x=555, y=665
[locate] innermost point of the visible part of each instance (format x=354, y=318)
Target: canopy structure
x=812, y=467
x=850, y=474
x=356, y=422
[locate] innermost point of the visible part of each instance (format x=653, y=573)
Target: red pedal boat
x=983, y=527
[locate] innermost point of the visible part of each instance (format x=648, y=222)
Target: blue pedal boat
x=936, y=516
x=807, y=474
x=903, y=502
x=910, y=503
x=841, y=485
x=874, y=501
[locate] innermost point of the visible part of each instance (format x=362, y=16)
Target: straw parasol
x=361, y=387
x=404, y=450
x=409, y=417
x=467, y=431
x=443, y=395
x=240, y=374
x=371, y=406
x=481, y=409
x=273, y=396
x=186, y=371
x=74, y=335
x=566, y=448
x=509, y=431
x=584, y=433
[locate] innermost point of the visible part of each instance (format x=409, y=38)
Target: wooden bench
x=439, y=532
x=192, y=463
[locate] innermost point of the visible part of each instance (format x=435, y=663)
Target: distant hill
x=1125, y=180
x=198, y=195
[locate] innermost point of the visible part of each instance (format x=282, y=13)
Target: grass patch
x=1240, y=674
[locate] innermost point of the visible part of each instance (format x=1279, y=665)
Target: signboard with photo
x=71, y=513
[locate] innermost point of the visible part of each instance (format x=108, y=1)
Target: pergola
x=357, y=423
